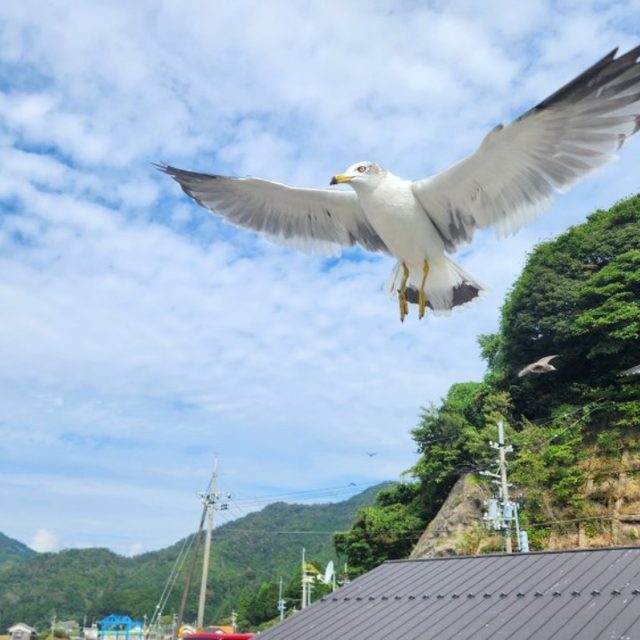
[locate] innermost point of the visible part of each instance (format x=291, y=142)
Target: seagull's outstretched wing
x=512, y=176
x=525, y=371
x=538, y=366
x=313, y=220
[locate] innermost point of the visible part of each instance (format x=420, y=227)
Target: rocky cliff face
x=609, y=513
x=457, y=529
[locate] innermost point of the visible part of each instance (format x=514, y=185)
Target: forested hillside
x=575, y=431
x=249, y=555
x=12, y=551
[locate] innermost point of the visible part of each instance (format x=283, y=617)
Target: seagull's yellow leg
x=422, y=294
x=402, y=293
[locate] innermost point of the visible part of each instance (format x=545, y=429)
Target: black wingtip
x=183, y=175
x=165, y=168
x=599, y=74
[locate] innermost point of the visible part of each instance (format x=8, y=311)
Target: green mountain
x=12, y=551
x=246, y=553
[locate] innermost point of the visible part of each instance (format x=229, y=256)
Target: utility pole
x=211, y=503
x=307, y=583
x=345, y=575
x=189, y=577
x=281, y=603
x=502, y=512
x=504, y=485
x=208, y=502
x=303, y=604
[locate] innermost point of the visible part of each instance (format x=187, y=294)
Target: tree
x=453, y=439
x=578, y=296
x=378, y=534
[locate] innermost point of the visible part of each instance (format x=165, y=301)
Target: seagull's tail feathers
x=447, y=286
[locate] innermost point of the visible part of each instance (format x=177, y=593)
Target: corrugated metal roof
x=557, y=595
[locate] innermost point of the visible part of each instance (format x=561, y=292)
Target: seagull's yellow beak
x=341, y=178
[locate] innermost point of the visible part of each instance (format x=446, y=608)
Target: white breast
x=401, y=222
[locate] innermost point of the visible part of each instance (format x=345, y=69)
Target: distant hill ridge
x=259, y=547
x=13, y=551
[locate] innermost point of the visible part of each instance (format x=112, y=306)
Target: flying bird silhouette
x=539, y=366
x=504, y=184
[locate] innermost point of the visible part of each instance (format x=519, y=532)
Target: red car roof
x=212, y=635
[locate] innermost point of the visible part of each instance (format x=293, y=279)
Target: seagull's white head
x=361, y=174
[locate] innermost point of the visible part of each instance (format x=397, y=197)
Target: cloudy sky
x=141, y=338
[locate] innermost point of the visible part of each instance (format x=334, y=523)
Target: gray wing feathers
x=312, y=220
x=515, y=172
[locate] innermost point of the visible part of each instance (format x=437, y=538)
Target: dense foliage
x=249, y=555
x=579, y=297
x=387, y=530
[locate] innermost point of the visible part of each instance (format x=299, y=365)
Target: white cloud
x=135, y=549
x=44, y=541
x=140, y=336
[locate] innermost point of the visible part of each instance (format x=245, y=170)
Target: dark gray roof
x=585, y=594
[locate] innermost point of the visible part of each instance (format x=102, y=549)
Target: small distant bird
x=539, y=366
x=630, y=372
x=370, y=453
x=504, y=184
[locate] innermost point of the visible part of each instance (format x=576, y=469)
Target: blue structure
x=115, y=627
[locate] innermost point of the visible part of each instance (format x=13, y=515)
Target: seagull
x=539, y=366
x=371, y=453
x=632, y=371
x=510, y=178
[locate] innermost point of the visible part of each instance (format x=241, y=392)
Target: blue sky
x=140, y=337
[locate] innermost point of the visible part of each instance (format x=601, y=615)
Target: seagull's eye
x=361, y=168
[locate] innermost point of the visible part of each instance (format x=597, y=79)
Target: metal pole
x=304, y=582
x=515, y=516
x=280, y=601
x=187, y=582
x=205, y=570
x=208, y=500
x=504, y=488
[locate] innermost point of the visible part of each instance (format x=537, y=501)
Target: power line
x=280, y=531
x=402, y=533
x=625, y=516
x=597, y=406
x=317, y=493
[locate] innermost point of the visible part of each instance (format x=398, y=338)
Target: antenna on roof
x=330, y=574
